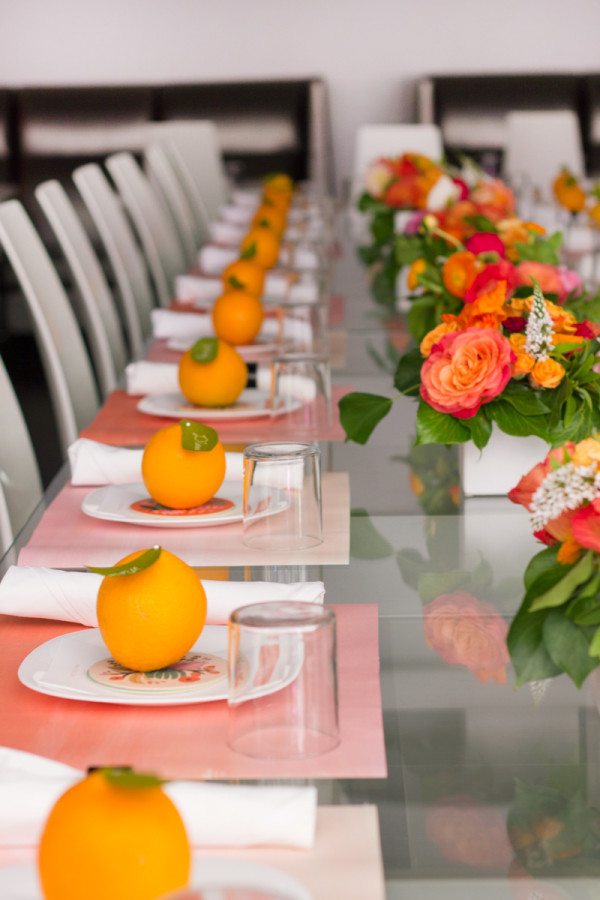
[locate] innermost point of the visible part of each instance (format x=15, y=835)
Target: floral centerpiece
x=557, y=628
x=525, y=364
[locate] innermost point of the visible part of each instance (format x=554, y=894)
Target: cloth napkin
x=94, y=463
x=145, y=377
x=40, y=593
x=214, y=815
x=204, y=291
x=212, y=258
x=167, y=323
x=231, y=234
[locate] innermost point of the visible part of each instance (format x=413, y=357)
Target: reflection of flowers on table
x=469, y=832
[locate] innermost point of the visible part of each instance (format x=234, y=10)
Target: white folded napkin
x=143, y=377
x=214, y=815
x=93, y=463
x=168, y=324
x=228, y=233
x=299, y=256
x=299, y=386
x=237, y=215
x=41, y=593
x=247, y=197
x=213, y=259
x=193, y=288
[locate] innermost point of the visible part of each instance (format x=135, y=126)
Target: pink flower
x=463, y=186
x=546, y=275
x=570, y=281
x=414, y=223
x=486, y=242
x=465, y=369
x=489, y=277
x=466, y=632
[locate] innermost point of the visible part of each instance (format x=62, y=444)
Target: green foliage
x=360, y=413
x=144, y=561
x=205, y=350
x=198, y=437
x=542, y=249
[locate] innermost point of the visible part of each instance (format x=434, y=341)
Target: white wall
x=370, y=51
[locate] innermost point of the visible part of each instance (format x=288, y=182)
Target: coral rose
x=466, y=369
x=545, y=274
x=485, y=242
x=466, y=632
x=547, y=373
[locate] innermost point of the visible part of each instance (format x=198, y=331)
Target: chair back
x=538, y=144
x=98, y=308
x=126, y=260
x=165, y=180
x=20, y=482
x=152, y=221
x=67, y=366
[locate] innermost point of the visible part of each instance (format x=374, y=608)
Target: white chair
x=126, y=259
x=66, y=363
x=98, y=308
x=20, y=483
x=374, y=141
x=538, y=145
x=152, y=221
x=195, y=150
x=164, y=179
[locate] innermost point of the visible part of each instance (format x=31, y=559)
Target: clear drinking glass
x=302, y=382
x=282, y=496
x=283, y=701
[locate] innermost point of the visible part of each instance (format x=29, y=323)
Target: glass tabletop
x=492, y=792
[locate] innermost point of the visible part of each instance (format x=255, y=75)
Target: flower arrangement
x=402, y=182
x=523, y=363
x=557, y=628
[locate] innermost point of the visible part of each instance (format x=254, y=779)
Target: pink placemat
x=345, y=861
x=337, y=308
x=68, y=539
x=189, y=741
x=119, y=422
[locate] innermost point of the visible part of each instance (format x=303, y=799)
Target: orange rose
x=586, y=452
x=466, y=632
x=459, y=272
x=530, y=482
x=466, y=369
x=434, y=336
x=523, y=364
x=417, y=268
x=547, y=373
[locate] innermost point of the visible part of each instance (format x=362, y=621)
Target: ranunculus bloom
x=485, y=242
x=490, y=276
x=467, y=832
x=570, y=281
x=416, y=268
x=487, y=310
x=495, y=199
x=585, y=526
x=459, y=272
x=466, y=632
x=463, y=188
x=545, y=274
x=403, y=194
x=587, y=329
x=466, y=369
x=547, y=373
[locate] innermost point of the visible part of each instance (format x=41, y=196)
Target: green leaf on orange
x=141, y=562
x=249, y=252
x=126, y=778
x=196, y=436
x=205, y=350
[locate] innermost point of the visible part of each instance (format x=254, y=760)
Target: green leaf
x=382, y=226
x=196, y=436
x=530, y=659
x=432, y=584
x=360, y=413
x=568, y=645
x=408, y=373
x=481, y=429
x=408, y=249
x=141, y=562
x=560, y=592
x=126, y=778
x=412, y=565
x=422, y=316
x=205, y=350
x=524, y=399
x=542, y=562
x=383, y=288
x=365, y=540
x=513, y=422
x=235, y=283
x=434, y=427
x=369, y=255
x=249, y=252
x=367, y=203
x=595, y=644
x=585, y=609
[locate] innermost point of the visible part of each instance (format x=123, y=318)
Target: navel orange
x=151, y=618
x=237, y=317
x=212, y=373
x=262, y=246
x=178, y=476
x=103, y=840
x=244, y=275
x=270, y=217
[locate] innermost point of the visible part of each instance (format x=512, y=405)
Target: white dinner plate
x=264, y=346
x=60, y=668
x=251, y=404
x=114, y=502
x=21, y=882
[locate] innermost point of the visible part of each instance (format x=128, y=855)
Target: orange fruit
x=261, y=245
x=150, y=619
x=279, y=182
x=276, y=200
x=244, y=275
x=237, y=317
x=568, y=191
x=217, y=382
x=177, y=477
x=270, y=217
x=103, y=840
